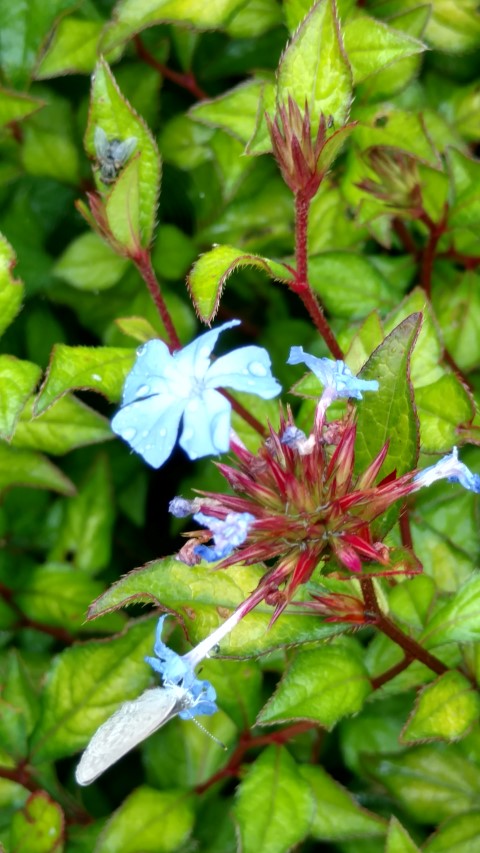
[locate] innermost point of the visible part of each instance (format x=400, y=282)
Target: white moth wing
x=134, y=721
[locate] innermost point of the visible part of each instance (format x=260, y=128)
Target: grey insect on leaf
x=112, y=154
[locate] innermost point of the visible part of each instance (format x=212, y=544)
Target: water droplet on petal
x=141, y=350
x=129, y=434
x=144, y=389
x=96, y=377
x=187, y=435
x=257, y=368
x=162, y=433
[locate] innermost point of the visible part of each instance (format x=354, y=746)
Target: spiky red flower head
x=297, y=154
x=307, y=504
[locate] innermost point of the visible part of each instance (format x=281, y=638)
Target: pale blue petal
x=194, y=359
x=335, y=376
x=181, y=507
x=146, y=375
x=206, y=425
x=245, y=369
x=150, y=427
x=204, y=694
x=228, y=534
x=211, y=553
x=451, y=469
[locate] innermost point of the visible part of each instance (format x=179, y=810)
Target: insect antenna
x=212, y=737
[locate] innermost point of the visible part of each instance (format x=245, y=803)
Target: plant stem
x=143, y=263
x=412, y=649
x=301, y=285
x=185, y=81
x=436, y=231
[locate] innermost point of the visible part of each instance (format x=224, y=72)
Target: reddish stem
x=143, y=263
x=412, y=649
x=387, y=676
x=436, y=231
x=405, y=530
x=247, y=742
x=301, y=285
x=470, y=262
x=60, y=634
x=244, y=413
x=404, y=236
x=185, y=81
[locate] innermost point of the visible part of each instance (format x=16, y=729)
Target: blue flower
x=164, y=388
x=177, y=670
x=228, y=534
x=336, y=378
x=452, y=469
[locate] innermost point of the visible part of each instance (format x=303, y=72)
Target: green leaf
x=24, y=27
x=372, y=45
x=445, y=710
x=85, y=685
x=135, y=192
x=337, y=815
x=85, y=534
x=132, y=16
x=396, y=77
x=430, y=782
x=88, y=263
x=459, y=619
x=410, y=602
x=389, y=415
x=454, y=27
x=456, y=301
x=254, y=18
x=18, y=380
x=398, y=839
x=349, y=285
x=425, y=365
x=209, y=275
x=26, y=468
x=59, y=595
x=204, y=598
x=137, y=328
x=239, y=688
x=18, y=690
x=457, y=835
x=322, y=685
x=235, y=111
x=383, y=125
x=173, y=252
x=39, y=827
x=11, y=289
x=15, y=106
x=49, y=146
x=274, y=779
x=72, y=50
x=67, y=424
x=101, y=369
x=149, y=820
x=314, y=67
x=438, y=422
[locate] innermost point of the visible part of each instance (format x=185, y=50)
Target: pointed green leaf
x=337, y=815
x=389, y=415
x=456, y=302
x=204, y=598
x=275, y=779
x=398, y=839
x=39, y=827
x=322, y=685
x=314, y=67
x=88, y=263
x=425, y=367
x=85, y=534
x=72, y=50
x=138, y=328
x=133, y=16
x=26, y=468
x=349, y=285
x=235, y=111
x=149, y=820
x=15, y=106
x=459, y=619
x=25, y=27
x=18, y=380
x=135, y=192
x=438, y=422
x=445, y=710
x=430, y=782
x=11, y=289
x=67, y=424
x=102, y=369
x=457, y=835
x=372, y=45
x=85, y=685
x=210, y=273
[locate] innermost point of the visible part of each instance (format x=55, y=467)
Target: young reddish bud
x=296, y=153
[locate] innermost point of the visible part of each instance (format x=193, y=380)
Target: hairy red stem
x=185, y=81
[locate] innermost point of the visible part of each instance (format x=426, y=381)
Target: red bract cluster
x=309, y=507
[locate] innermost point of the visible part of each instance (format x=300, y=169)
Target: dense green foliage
x=351, y=725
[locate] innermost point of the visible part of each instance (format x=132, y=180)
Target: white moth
x=134, y=721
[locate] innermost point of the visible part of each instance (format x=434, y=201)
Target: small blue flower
x=336, y=378
x=177, y=670
x=164, y=388
x=228, y=534
x=181, y=507
x=452, y=469
x=293, y=436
